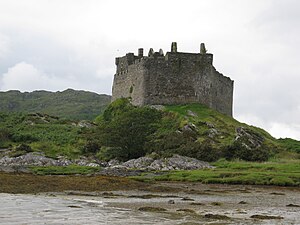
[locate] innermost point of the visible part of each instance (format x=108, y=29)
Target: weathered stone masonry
x=173, y=78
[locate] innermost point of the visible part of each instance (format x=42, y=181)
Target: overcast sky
x=59, y=44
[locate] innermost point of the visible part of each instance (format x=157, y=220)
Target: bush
x=108, y=153
x=125, y=129
x=183, y=144
x=239, y=151
x=5, y=135
x=24, y=147
x=90, y=147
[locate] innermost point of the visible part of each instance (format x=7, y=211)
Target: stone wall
x=174, y=78
x=129, y=80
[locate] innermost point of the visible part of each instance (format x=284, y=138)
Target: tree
x=128, y=130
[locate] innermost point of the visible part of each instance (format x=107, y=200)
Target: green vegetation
x=238, y=172
x=124, y=131
x=63, y=170
x=40, y=132
x=68, y=104
x=290, y=144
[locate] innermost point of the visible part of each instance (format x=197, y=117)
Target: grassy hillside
x=125, y=131
x=69, y=104
x=192, y=130
x=39, y=132
x=214, y=127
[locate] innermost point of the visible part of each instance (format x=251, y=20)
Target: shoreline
x=180, y=202
x=28, y=183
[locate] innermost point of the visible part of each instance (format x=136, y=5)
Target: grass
x=239, y=172
x=290, y=144
x=226, y=125
x=64, y=170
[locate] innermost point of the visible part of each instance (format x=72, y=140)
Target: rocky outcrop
x=248, y=138
x=175, y=162
x=132, y=167
x=142, y=164
x=39, y=159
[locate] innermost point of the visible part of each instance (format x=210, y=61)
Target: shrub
x=24, y=147
x=125, y=129
x=90, y=147
x=239, y=151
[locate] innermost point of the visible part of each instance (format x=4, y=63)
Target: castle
x=172, y=78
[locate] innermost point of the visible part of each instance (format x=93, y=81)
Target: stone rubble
x=113, y=167
x=38, y=159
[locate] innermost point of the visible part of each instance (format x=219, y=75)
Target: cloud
x=25, y=77
x=285, y=130
x=4, y=46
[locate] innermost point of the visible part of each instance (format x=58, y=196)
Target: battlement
x=172, y=78
x=122, y=63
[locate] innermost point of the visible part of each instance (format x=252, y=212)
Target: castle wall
x=129, y=81
x=176, y=78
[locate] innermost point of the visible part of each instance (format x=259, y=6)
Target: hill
x=124, y=131
x=69, y=104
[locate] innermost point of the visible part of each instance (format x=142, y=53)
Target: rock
x=265, y=217
x=39, y=159
x=191, y=113
x=157, y=107
x=171, y=202
x=187, y=199
x=196, y=203
x=189, y=127
x=213, y=132
x=276, y=193
x=216, y=216
x=210, y=125
x=292, y=205
x=186, y=210
x=152, y=209
x=248, y=138
x=84, y=123
x=119, y=172
x=140, y=163
x=113, y=162
x=216, y=203
x=178, y=162
x=242, y=202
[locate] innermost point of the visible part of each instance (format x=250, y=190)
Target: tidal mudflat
x=159, y=203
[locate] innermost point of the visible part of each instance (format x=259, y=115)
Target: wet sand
x=111, y=200
x=210, y=204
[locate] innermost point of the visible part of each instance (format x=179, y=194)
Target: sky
x=58, y=44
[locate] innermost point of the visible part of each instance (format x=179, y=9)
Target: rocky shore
x=112, y=168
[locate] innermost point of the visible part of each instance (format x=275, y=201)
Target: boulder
x=140, y=163
x=248, y=138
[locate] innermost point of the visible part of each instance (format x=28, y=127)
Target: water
x=73, y=209
x=29, y=209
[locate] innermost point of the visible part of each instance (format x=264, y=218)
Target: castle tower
x=173, y=78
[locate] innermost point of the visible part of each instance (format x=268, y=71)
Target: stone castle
x=172, y=78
